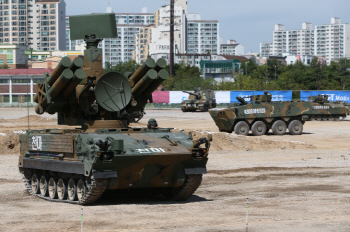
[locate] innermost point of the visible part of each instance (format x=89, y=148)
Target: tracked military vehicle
x=201, y=100
x=261, y=115
x=103, y=153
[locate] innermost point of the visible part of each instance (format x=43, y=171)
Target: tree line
x=250, y=76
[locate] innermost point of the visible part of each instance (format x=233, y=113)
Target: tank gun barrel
x=190, y=93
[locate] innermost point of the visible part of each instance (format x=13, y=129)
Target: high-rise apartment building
x=298, y=42
x=38, y=23
x=141, y=42
x=331, y=41
x=203, y=37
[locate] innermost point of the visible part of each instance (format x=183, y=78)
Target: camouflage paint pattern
x=145, y=159
x=268, y=112
x=202, y=100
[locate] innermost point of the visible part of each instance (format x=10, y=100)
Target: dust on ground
x=293, y=183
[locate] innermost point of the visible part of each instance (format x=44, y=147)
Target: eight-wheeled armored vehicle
x=103, y=153
x=261, y=115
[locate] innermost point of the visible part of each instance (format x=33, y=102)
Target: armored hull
x=75, y=167
x=262, y=115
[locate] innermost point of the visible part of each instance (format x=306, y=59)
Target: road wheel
x=295, y=127
x=184, y=192
x=62, y=189
x=52, y=188
x=241, y=128
x=279, y=127
x=183, y=108
x=35, y=184
x=72, y=190
x=81, y=189
x=43, y=186
x=259, y=128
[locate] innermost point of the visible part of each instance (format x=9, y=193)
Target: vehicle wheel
x=52, y=188
x=259, y=128
x=35, y=184
x=295, y=127
x=43, y=186
x=72, y=190
x=279, y=127
x=81, y=189
x=183, y=109
x=241, y=128
x=62, y=189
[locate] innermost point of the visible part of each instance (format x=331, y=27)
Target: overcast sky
x=249, y=22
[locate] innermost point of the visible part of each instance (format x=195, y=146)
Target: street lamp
x=275, y=77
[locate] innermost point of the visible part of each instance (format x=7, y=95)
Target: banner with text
x=333, y=95
x=276, y=95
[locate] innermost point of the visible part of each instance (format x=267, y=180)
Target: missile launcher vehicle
x=102, y=152
x=201, y=100
x=261, y=115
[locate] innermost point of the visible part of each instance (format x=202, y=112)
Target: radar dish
x=113, y=92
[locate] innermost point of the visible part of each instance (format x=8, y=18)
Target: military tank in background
x=262, y=114
x=201, y=100
x=103, y=153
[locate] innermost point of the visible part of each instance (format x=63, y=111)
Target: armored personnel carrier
x=261, y=115
x=201, y=100
x=103, y=153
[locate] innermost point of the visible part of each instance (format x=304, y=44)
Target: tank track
x=187, y=189
x=98, y=186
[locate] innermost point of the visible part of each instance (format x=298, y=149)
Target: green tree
x=4, y=66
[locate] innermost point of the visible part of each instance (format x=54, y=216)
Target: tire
x=279, y=127
x=259, y=128
x=241, y=128
x=295, y=127
x=183, y=108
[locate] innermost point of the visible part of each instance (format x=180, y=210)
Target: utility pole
x=171, y=69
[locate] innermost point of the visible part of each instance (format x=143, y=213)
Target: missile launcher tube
x=78, y=77
x=76, y=64
x=162, y=76
x=160, y=64
x=142, y=84
x=60, y=83
x=140, y=72
x=64, y=64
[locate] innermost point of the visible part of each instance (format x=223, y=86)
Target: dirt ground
x=293, y=183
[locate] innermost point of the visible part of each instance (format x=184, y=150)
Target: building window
x=10, y=61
